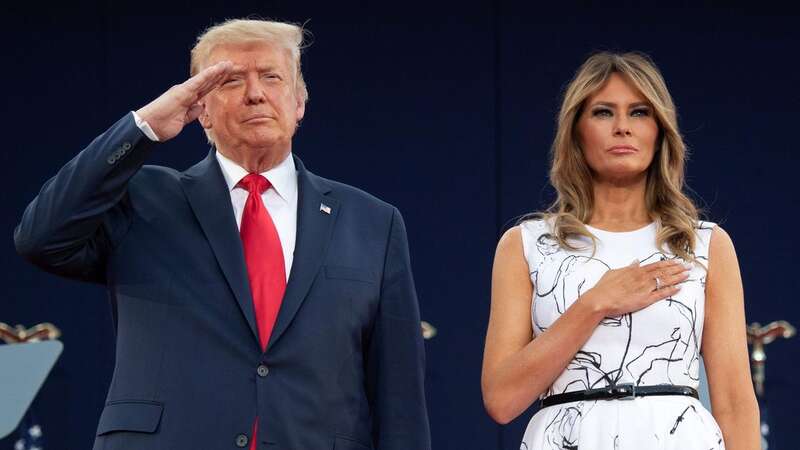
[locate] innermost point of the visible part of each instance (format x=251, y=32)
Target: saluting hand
x=170, y=112
x=634, y=287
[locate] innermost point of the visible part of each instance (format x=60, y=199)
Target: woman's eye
x=640, y=112
x=602, y=112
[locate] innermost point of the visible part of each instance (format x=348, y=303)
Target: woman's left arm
x=724, y=348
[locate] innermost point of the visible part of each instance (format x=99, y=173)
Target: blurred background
x=444, y=109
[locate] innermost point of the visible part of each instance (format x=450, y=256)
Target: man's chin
x=268, y=141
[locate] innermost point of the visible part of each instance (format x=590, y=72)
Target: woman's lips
x=622, y=149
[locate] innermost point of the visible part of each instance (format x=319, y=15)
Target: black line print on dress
x=678, y=347
x=549, y=248
x=563, y=431
x=680, y=418
x=555, y=280
x=695, y=415
x=560, y=290
x=664, y=352
x=557, y=291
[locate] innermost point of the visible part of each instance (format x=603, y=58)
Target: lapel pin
x=325, y=208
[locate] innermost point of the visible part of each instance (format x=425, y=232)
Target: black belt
x=620, y=391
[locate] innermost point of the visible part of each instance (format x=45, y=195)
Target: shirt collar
x=282, y=177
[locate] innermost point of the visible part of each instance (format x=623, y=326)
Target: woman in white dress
x=602, y=305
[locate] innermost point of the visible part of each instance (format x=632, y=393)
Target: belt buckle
x=624, y=391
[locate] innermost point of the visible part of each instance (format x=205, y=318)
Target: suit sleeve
x=396, y=357
x=70, y=227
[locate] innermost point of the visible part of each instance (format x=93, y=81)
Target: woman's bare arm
x=724, y=348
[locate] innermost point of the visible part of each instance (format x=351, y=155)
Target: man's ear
x=204, y=118
x=300, y=109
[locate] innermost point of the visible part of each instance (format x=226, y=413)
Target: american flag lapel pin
x=325, y=208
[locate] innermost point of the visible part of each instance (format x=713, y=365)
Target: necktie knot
x=254, y=182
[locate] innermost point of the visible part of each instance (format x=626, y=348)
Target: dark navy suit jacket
x=344, y=368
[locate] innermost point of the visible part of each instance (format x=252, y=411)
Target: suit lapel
x=210, y=200
x=314, y=229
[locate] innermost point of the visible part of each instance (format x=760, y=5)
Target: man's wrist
x=145, y=127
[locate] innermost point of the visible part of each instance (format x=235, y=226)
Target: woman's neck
x=620, y=206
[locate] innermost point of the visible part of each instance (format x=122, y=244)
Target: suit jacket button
x=126, y=146
x=262, y=370
x=241, y=440
x=111, y=159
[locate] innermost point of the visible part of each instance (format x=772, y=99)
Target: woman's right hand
x=631, y=288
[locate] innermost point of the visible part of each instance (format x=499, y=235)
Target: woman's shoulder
x=704, y=229
x=533, y=231
x=536, y=225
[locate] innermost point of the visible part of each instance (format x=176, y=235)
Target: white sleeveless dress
x=659, y=344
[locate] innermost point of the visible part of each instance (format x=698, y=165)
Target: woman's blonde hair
x=571, y=176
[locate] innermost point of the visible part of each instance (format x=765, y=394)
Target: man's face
x=256, y=107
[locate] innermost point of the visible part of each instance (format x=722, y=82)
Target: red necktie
x=263, y=255
x=266, y=268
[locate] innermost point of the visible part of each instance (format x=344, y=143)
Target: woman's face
x=617, y=131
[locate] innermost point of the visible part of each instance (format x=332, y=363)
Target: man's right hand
x=169, y=113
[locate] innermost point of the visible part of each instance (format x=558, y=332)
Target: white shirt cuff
x=145, y=127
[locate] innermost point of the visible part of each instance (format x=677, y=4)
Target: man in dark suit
x=257, y=305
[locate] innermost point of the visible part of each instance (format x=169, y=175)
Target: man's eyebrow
x=237, y=70
x=266, y=67
x=242, y=69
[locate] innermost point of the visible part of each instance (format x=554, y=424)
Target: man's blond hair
x=238, y=31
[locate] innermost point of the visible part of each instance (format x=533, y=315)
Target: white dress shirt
x=280, y=199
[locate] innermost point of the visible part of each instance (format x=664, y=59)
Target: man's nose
x=254, y=92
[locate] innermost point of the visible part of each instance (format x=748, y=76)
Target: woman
x=601, y=304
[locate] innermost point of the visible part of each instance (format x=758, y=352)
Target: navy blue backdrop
x=445, y=110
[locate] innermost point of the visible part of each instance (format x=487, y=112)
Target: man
x=257, y=305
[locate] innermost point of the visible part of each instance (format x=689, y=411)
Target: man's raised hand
x=170, y=112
